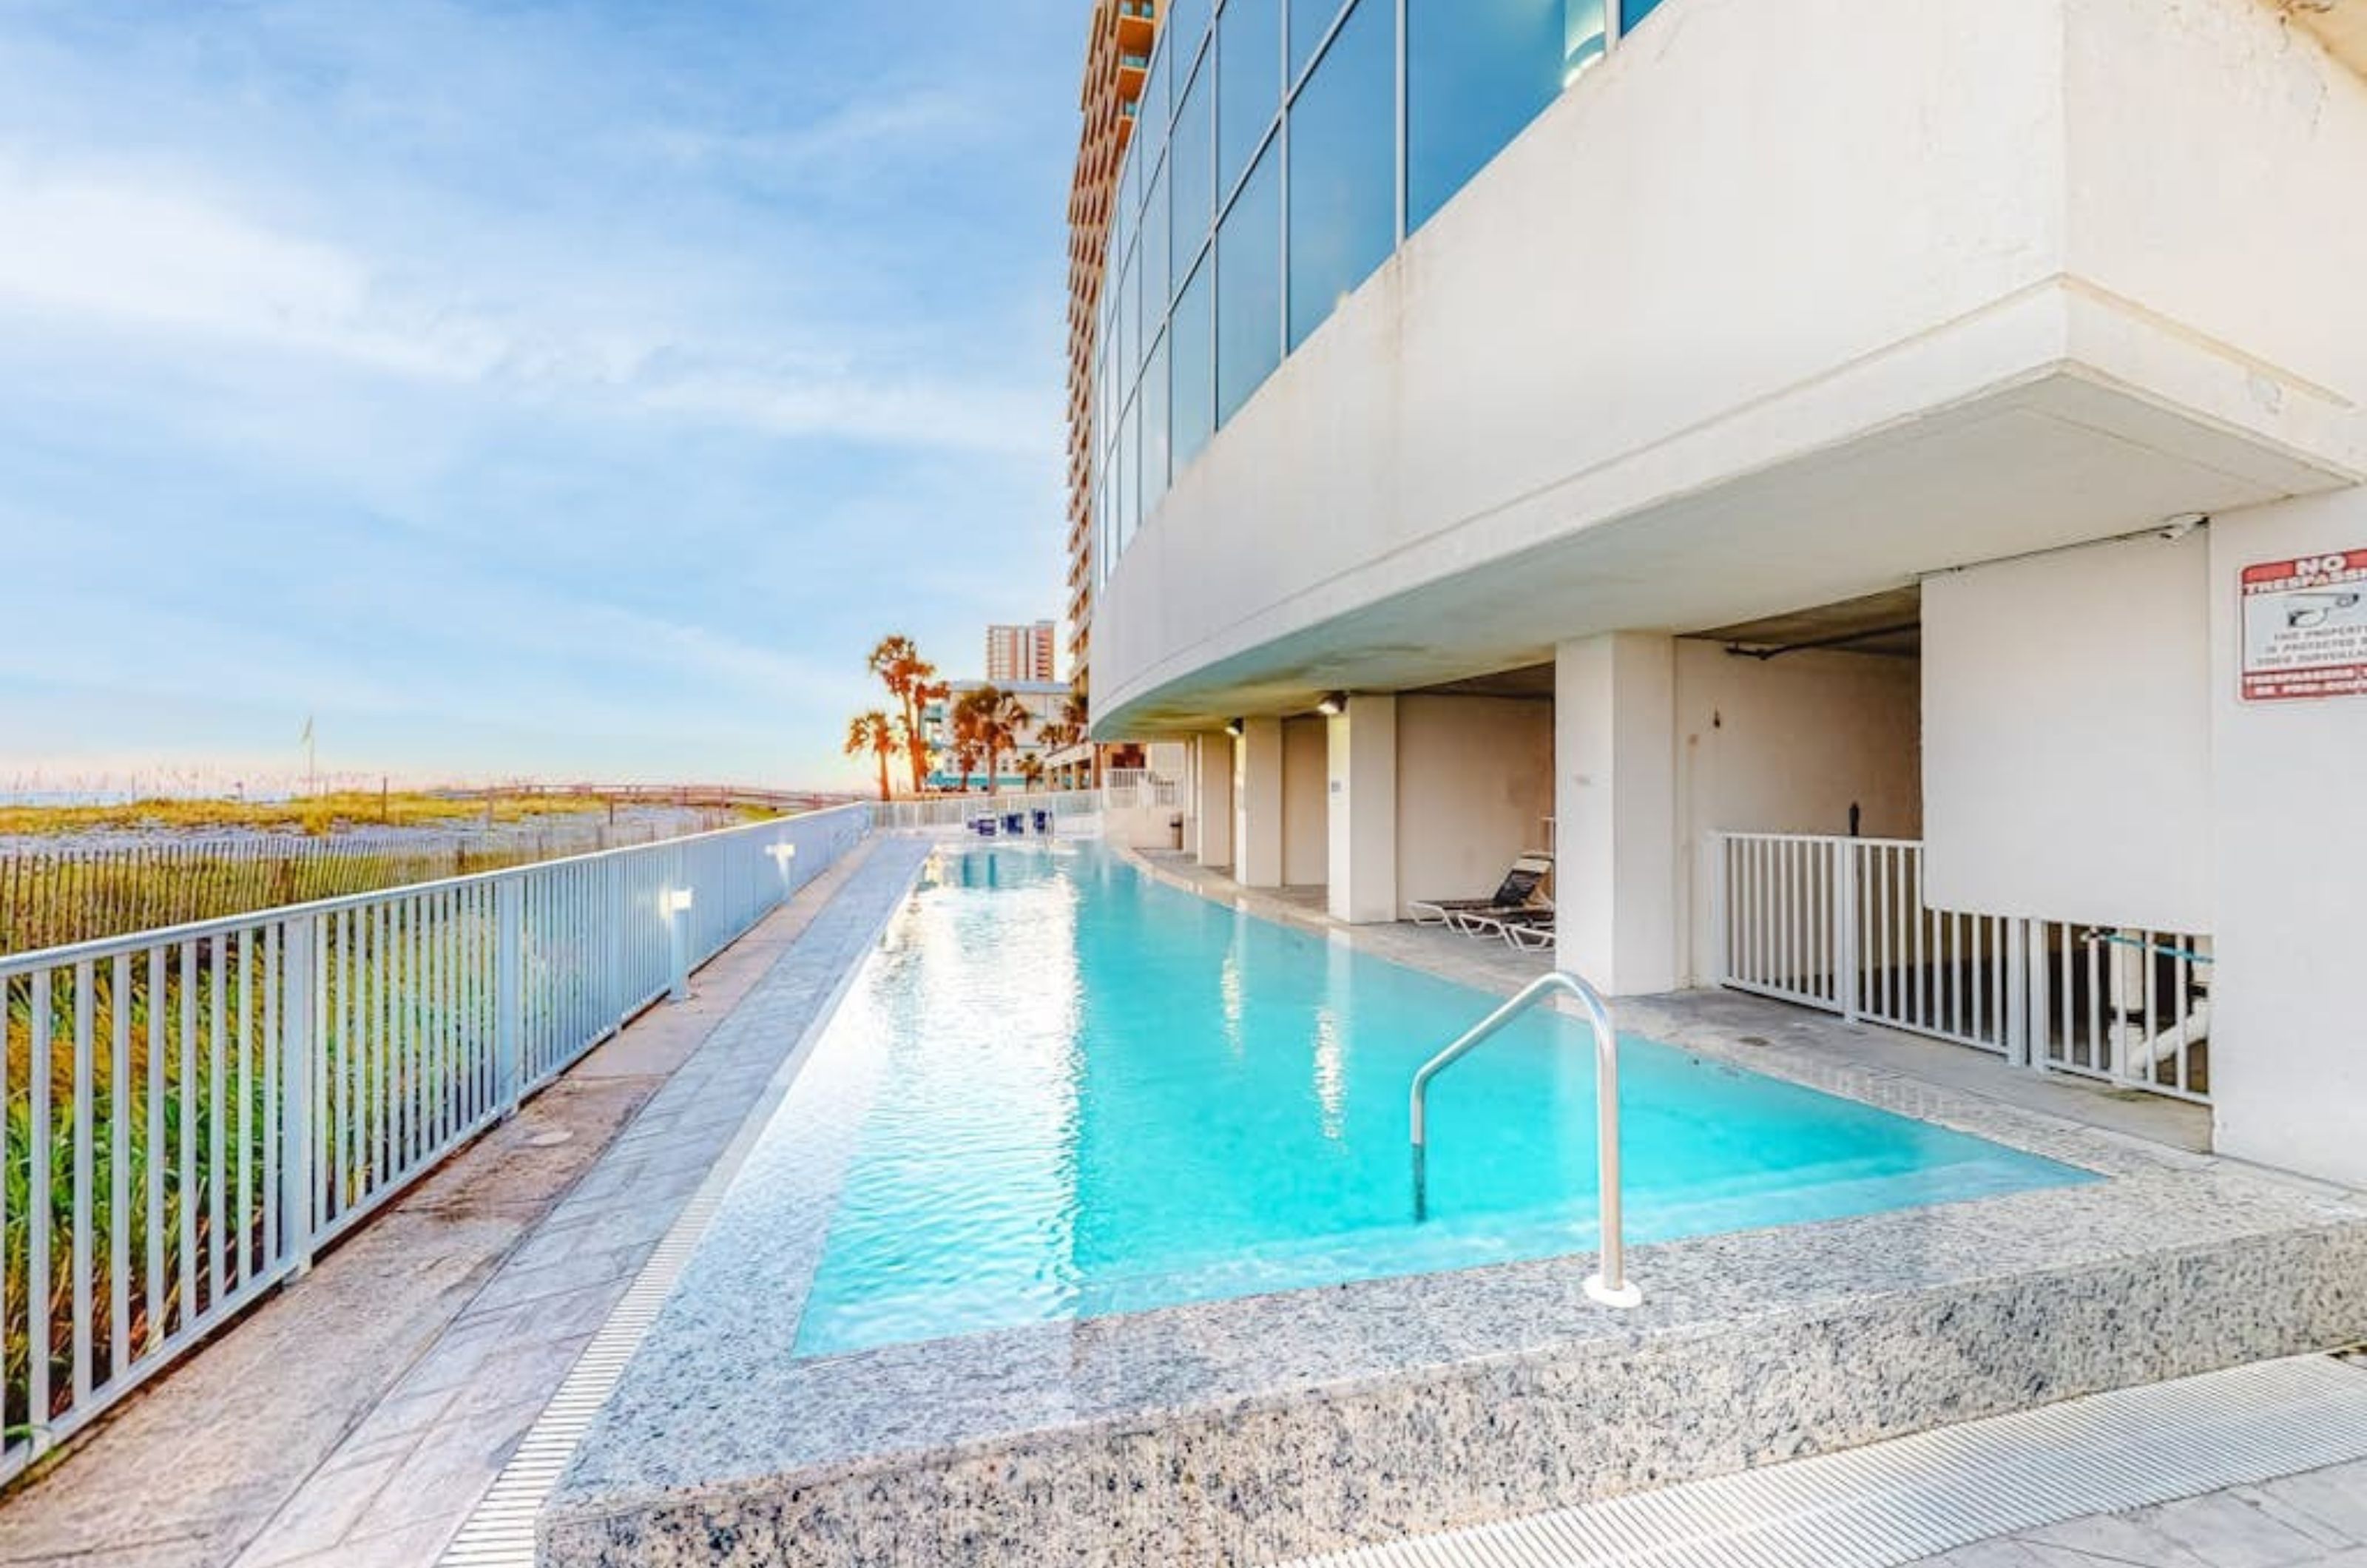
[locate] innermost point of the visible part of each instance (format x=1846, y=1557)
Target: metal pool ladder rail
x=1611, y=1286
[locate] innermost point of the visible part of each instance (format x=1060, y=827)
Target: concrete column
x=1363, y=811
x=1212, y=804
x=1257, y=804
x=1614, y=808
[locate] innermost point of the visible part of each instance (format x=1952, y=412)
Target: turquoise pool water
x=1067, y=1089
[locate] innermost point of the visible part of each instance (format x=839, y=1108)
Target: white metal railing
x=1125, y=787
x=1842, y=924
x=55, y=894
x=191, y=1112
x=959, y=810
x=1611, y=1285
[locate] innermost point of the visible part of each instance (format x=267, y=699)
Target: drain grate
x=1894, y=1502
x=500, y=1531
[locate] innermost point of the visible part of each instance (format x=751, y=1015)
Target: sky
x=518, y=387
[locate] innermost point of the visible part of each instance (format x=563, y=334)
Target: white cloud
x=115, y=252
x=127, y=255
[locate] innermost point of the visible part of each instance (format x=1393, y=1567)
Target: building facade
x=1020, y=653
x=1120, y=38
x=1616, y=428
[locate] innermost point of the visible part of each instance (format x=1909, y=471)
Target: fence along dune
x=189, y=1113
x=56, y=894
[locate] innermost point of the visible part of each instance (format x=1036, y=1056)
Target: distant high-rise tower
x=1117, y=53
x=1019, y=653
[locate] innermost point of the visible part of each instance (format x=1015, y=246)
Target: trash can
x=1175, y=831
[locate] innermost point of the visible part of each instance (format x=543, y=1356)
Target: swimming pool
x=1065, y=1089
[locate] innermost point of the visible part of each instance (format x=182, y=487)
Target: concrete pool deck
x=1249, y=1430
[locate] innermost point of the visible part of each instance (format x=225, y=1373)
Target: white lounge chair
x=1517, y=891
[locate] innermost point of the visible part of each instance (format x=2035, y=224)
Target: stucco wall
x=1305, y=802
x=1785, y=746
x=2067, y=714
x=2215, y=152
x=1475, y=784
x=2289, y=1028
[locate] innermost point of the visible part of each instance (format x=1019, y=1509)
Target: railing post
x=2015, y=940
x=299, y=968
x=2042, y=995
x=1847, y=937
x=1721, y=896
x=619, y=992
x=509, y=991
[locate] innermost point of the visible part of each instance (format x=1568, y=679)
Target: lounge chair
x=1531, y=936
x=1502, y=922
x=1518, y=890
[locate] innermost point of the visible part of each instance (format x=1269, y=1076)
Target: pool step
x=1896, y=1502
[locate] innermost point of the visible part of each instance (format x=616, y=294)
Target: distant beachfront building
x=1042, y=699
x=1019, y=653
x=1670, y=432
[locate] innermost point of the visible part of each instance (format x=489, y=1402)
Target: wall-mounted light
x=1333, y=704
x=1233, y=726
x=677, y=900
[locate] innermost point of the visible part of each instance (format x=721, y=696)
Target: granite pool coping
x=1257, y=1428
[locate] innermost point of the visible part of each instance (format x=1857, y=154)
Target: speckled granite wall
x=1236, y=1432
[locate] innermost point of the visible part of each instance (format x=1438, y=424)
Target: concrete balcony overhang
x=2052, y=457
x=2002, y=332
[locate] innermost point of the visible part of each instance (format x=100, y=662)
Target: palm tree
x=908, y=677
x=1006, y=728
x=871, y=732
x=995, y=721
x=1031, y=771
x=965, y=743
x=1077, y=718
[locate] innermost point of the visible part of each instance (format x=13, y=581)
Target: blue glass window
x=1192, y=180
x=1249, y=287
x=1248, y=83
x=1476, y=72
x=1309, y=20
x=1154, y=429
x=1127, y=355
x=1180, y=24
x=1155, y=287
x=1158, y=106
x=1192, y=369
x=1129, y=433
x=1343, y=210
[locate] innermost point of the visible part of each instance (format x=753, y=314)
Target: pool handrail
x=1611, y=1286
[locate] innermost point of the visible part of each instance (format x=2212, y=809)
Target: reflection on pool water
x=1082, y=1092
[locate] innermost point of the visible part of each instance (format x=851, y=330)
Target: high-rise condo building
x=1019, y=653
